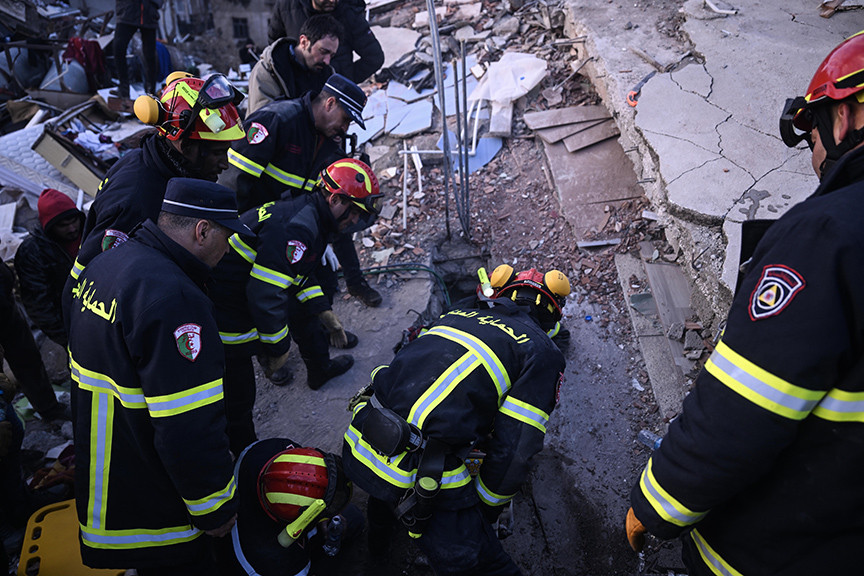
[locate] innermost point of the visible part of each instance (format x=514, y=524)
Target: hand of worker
x=331, y=323
x=222, y=530
x=329, y=258
x=635, y=531
x=271, y=364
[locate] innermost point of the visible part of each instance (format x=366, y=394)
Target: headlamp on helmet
x=194, y=108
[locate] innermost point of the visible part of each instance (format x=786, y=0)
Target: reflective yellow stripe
x=275, y=337
x=670, y=509
x=136, y=537
x=760, y=386
x=289, y=179
x=288, y=498
x=301, y=459
x=841, y=406
x=525, y=412
x=489, y=497
x=554, y=330
x=233, y=338
x=244, y=250
x=236, y=132
x=270, y=276
x=715, y=563
x=101, y=441
x=442, y=387
x=212, y=502
x=309, y=293
x=244, y=164
x=185, y=400
x=490, y=361
x=375, y=371
x=96, y=383
x=77, y=269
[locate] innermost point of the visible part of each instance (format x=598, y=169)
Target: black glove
x=490, y=513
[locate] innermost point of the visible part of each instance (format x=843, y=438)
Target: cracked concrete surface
x=708, y=129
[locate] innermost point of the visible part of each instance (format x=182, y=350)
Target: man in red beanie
x=44, y=259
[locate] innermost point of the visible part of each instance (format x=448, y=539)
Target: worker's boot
x=365, y=293
x=335, y=366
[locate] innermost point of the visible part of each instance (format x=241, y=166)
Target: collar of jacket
x=848, y=170
x=149, y=234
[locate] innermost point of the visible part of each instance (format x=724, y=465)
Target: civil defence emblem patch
x=776, y=288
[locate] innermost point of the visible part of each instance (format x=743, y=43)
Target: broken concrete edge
x=710, y=298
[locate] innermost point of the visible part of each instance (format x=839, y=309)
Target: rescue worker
x=193, y=134
x=295, y=512
x=761, y=472
x=44, y=259
x=289, y=68
x=480, y=370
x=154, y=473
x=288, y=144
x=289, y=15
x=265, y=289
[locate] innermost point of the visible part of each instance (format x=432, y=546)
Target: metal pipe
x=460, y=197
x=439, y=82
x=467, y=191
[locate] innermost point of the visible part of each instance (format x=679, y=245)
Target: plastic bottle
x=333, y=539
x=649, y=439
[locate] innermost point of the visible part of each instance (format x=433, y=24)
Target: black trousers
x=239, y=389
x=346, y=252
x=122, y=35
x=22, y=354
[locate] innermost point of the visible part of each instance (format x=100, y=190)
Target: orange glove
x=635, y=531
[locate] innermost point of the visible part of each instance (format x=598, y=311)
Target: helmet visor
x=796, y=122
x=370, y=204
x=218, y=92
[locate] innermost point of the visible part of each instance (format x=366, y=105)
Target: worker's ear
x=203, y=228
x=303, y=43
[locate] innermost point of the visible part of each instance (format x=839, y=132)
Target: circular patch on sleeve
x=776, y=288
x=188, y=338
x=295, y=251
x=112, y=239
x=256, y=133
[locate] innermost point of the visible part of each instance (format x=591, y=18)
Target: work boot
x=59, y=412
x=365, y=293
x=352, y=340
x=283, y=376
x=335, y=367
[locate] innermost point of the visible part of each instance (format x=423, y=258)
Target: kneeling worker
x=485, y=368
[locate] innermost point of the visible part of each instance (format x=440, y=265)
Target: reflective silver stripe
x=310, y=293
x=667, y=507
x=96, y=382
x=526, y=413
x=237, y=337
x=286, y=178
x=185, y=401
x=841, y=406
x=717, y=564
x=760, y=386
x=137, y=538
x=199, y=208
x=270, y=276
x=101, y=436
x=244, y=250
x=212, y=502
x=442, y=387
x=490, y=497
x=274, y=338
x=554, y=330
x=490, y=360
x=76, y=270
x=244, y=163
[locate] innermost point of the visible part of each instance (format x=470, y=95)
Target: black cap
x=350, y=96
x=203, y=199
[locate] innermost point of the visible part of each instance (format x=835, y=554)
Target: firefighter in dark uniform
x=288, y=143
x=154, y=473
x=295, y=513
x=265, y=289
x=487, y=373
x=192, y=141
x=761, y=473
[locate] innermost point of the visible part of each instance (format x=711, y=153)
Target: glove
x=334, y=327
x=635, y=531
x=329, y=258
x=271, y=364
x=490, y=513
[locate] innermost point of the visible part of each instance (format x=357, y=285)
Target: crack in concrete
x=748, y=194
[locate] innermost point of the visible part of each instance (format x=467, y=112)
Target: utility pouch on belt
x=388, y=433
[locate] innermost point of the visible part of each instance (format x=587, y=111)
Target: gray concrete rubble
x=706, y=124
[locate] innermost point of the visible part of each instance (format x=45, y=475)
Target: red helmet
x=298, y=477
x=355, y=179
x=545, y=292
x=193, y=108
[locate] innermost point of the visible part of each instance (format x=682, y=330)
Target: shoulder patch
x=776, y=288
x=256, y=133
x=295, y=251
x=188, y=338
x=112, y=239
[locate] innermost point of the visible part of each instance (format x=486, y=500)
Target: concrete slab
x=561, y=116
x=412, y=119
x=558, y=133
x=707, y=193
x=396, y=42
x=591, y=136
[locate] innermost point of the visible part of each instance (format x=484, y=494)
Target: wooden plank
x=593, y=135
x=501, y=121
x=560, y=116
x=556, y=133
